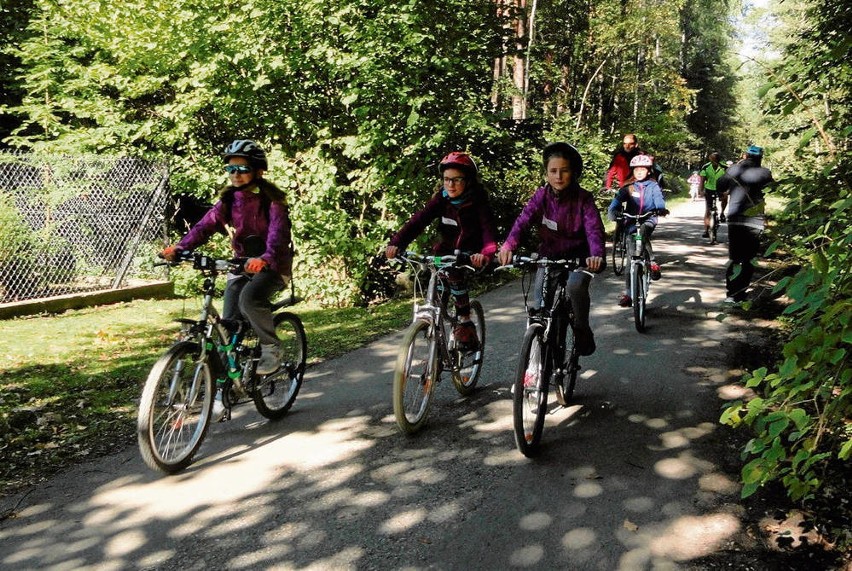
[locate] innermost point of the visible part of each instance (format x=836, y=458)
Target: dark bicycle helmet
x=248, y=149
x=459, y=160
x=565, y=151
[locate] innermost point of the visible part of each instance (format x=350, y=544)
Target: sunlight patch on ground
x=690, y=537
x=535, y=521
x=404, y=521
x=527, y=556
x=734, y=392
x=579, y=538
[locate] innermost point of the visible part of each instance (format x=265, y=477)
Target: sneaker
x=625, y=300
x=706, y=234
x=585, y=342
x=270, y=359
x=722, y=218
x=465, y=334
x=656, y=273
x=218, y=414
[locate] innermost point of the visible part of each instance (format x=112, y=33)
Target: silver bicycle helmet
x=248, y=149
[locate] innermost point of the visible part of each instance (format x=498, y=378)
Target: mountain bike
x=213, y=353
x=714, y=218
x=548, y=352
x=619, y=247
x=429, y=346
x=640, y=267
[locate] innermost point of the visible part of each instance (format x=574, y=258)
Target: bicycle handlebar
x=525, y=262
x=456, y=260
x=644, y=216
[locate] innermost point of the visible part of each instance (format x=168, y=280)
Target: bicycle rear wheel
x=274, y=394
x=529, y=398
x=467, y=365
x=415, y=377
x=714, y=227
x=174, y=411
x=619, y=252
x=638, y=292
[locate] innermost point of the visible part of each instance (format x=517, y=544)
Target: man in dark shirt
x=744, y=183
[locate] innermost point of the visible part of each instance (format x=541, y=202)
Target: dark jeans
x=743, y=248
x=251, y=299
x=577, y=289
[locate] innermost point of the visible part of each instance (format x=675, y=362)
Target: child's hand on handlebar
x=594, y=263
x=255, y=265
x=504, y=256
x=479, y=261
x=169, y=253
x=390, y=252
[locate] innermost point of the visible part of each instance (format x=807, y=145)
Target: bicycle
x=213, y=353
x=429, y=347
x=546, y=357
x=640, y=268
x=619, y=247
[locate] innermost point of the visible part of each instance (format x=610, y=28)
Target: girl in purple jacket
x=256, y=213
x=569, y=226
x=465, y=223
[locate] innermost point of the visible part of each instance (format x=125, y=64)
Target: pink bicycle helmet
x=642, y=161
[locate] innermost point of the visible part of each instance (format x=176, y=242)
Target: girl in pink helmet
x=465, y=222
x=640, y=196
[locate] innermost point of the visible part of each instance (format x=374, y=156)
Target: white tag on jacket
x=448, y=221
x=550, y=224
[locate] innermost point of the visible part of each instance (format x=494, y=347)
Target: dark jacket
x=468, y=226
x=744, y=182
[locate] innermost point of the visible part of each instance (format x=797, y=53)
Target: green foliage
x=801, y=414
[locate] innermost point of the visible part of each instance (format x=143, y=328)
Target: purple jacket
x=247, y=217
x=468, y=226
x=569, y=224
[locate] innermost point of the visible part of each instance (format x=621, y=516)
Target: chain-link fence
x=75, y=224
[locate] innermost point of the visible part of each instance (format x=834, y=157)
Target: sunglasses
x=237, y=169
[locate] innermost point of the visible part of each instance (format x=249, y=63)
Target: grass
x=69, y=383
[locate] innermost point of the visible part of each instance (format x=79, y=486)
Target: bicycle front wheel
x=415, y=377
x=468, y=364
x=529, y=398
x=274, y=394
x=619, y=252
x=638, y=293
x=175, y=408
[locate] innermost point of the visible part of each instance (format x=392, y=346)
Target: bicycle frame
x=640, y=269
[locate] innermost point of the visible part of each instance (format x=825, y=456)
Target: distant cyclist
x=640, y=196
x=710, y=174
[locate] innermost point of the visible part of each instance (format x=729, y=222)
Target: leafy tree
x=800, y=416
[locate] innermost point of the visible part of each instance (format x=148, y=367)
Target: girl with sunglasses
x=254, y=213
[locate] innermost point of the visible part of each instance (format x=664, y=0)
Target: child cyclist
x=257, y=213
x=569, y=226
x=465, y=223
x=641, y=196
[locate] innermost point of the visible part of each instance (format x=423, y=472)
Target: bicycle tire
x=415, y=376
x=529, y=395
x=175, y=408
x=274, y=394
x=565, y=388
x=638, y=293
x=467, y=365
x=714, y=227
x=619, y=252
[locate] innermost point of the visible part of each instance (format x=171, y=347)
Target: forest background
x=357, y=100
